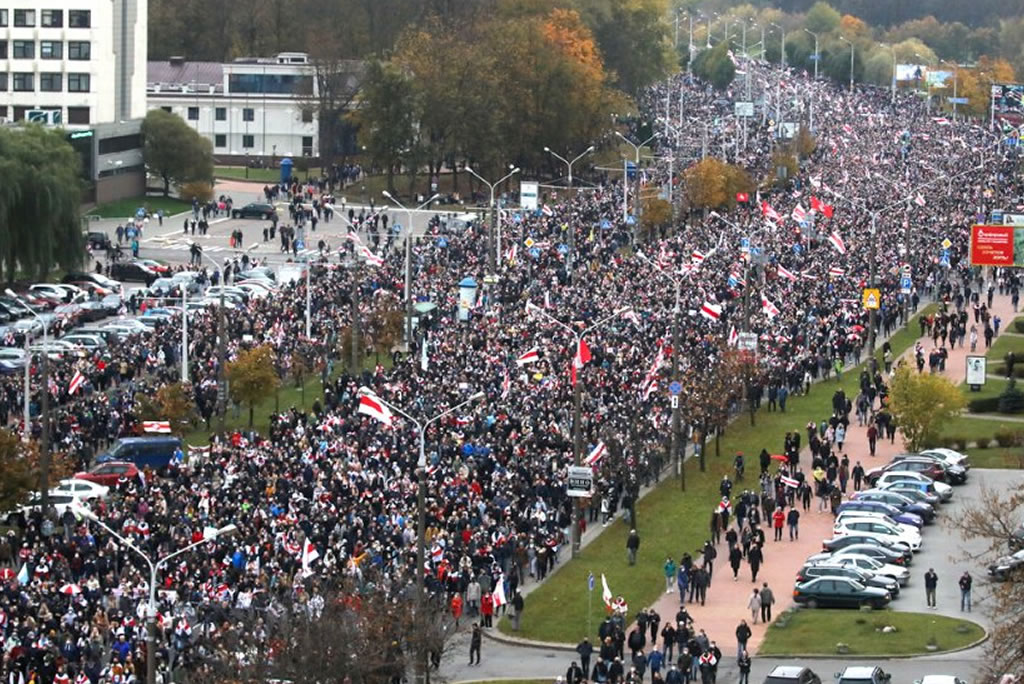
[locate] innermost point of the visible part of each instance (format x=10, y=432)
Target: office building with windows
x=251, y=110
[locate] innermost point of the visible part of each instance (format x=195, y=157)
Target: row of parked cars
x=855, y=674
x=877, y=532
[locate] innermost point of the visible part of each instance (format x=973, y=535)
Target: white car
x=943, y=490
x=876, y=528
x=940, y=679
x=60, y=503
x=127, y=323
x=83, y=489
x=253, y=290
x=85, y=341
x=869, y=565
x=950, y=457
x=874, y=515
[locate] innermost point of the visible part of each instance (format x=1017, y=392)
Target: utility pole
x=222, y=360
x=44, y=441
x=675, y=439
x=872, y=313
x=356, y=333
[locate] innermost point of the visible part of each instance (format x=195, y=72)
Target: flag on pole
x=161, y=426
x=372, y=406
x=835, y=272
x=309, y=554
x=799, y=214
x=820, y=207
x=786, y=273
x=711, y=311
x=581, y=359
x=506, y=385
x=370, y=257
x=769, y=213
x=498, y=596
x=789, y=481
x=424, y=361
x=606, y=594
x=734, y=336
x=698, y=256
x=595, y=455
x=651, y=379
x=23, y=574
x=531, y=356
x=769, y=309
x=807, y=275
x=836, y=241
x=76, y=382
x=546, y=210
x=919, y=200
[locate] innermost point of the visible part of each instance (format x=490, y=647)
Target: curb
x=501, y=638
x=906, y=656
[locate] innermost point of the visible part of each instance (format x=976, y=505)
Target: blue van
x=155, y=453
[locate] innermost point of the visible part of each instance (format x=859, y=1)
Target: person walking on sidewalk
x=754, y=558
x=965, y=591
x=743, y=635
x=743, y=662
x=670, y=574
x=767, y=599
x=793, y=520
x=754, y=604
x=931, y=582
x=474, y=644
x=632, y=545
x=778, y=520
x=735, y=559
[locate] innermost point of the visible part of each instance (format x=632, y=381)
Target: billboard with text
x=1008, y=98
x=997, y=245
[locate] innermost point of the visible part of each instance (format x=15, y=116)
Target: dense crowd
x=329, y=495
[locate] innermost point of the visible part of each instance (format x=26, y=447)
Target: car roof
x=787, y=671
x=859, y=672
x=144, y=440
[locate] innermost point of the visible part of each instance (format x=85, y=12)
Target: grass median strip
x=670, y=522
x=819, y=632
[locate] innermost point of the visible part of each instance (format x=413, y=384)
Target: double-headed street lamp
x=408, y=259
x=817, y=54
x=567, y=162
x=154, y=571
x=577, y=445
x=636, y=170
x=493, y=237
x=782, y=30
x=853, y=50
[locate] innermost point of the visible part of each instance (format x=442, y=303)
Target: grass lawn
x=261, y=175
x=973, y=428
x=126, y=207
x=670, y=522
x=816, y=632
x=1002, y=345
x=997, y=457
x=993, y=387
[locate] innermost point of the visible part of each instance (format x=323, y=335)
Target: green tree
x=171, y=403
x=174, y=151
x=715, y=66
x=921, y=404
x=386, y=116
x=40, y=192
x=252, y=377
x=822, y=18
x=633, y=39
x=18, y=478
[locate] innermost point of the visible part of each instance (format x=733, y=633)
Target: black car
x=133, y=271
x=812, y=571
x=898, y=500
x=839, y=592
x=1016, y=540
x=97, y=240
x=792, y=674
x=837, y=543
x=1006, y=566
x=254, y=210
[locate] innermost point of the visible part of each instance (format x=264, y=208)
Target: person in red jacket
x=778, y=520
x=487, y=609
x=457, y=608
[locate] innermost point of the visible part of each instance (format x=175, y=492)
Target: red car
x=110, y=473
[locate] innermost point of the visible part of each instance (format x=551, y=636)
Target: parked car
x=144, y=452
x=839, y=542
x=873, y=566
x=96, y=239
x=923, y=466
x=860, y=674
x=49, y=290
x=1007, y=565
x=897, y=500
x=880, y=530
x=59, y=502
x=839, y=592
x=1016, y=540
x=948, y=456
x=83, y=489
x=940, y=679
x=849, y=571
x=110, y=473
x=876, y=552
x=86, y=341
x=792, y=674
x=133, y=271
x=952, y=473
x=884, y=509
x=877, y=515
x=921, y=483
x=97, y=278
x=156, y=265
x=254, y=210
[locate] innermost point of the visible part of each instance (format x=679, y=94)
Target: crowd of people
x=329, y=496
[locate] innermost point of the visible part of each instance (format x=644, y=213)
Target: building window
x=274, y=84
x=220, y=140
x=120, y=143
x=20, y=112
x=78, y=83
x=51, y=49
x=3, y=49
x=248, y=142
x=79, y=18
x=3, y=111
x=78, y=49
x=248, y=114
x=23, y=83
x=307, y=116
x=221, y=114
x=3, y=81
x=24, y=17
x=24, y=49
x=3, y=18
x=51, y=83
x=307, y=146
x=78, y=115
x=51, y=18
x=193, y=113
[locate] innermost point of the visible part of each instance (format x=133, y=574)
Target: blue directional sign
x=675, y=387
x=630, y=220
x=563, y=248
x=605, y=224
x=442, y=242
x=590, y=582
x=944, y=258
x=905, y=285
x=534, y=252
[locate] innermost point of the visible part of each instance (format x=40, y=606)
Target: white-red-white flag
x=836, y=240
x=162, y=426
x=531, y=356
x=498, y=595
x=786, y=273
x=581, y=359
x=606, y=594
x=799, y=214
x=76, y=381
x=711, y=311
x=546, y=210
x=309, y=554
x=372, y=406
x=370, y=257
x=919, y=200
x=698, y=256
x=651, y=379
x=769, y=213
x=596, y=454
x=734, y=336
x=506, y=385
x=769, y=309
x=789, y=481
x=835, y=272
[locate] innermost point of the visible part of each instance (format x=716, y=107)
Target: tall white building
x=249, y=109
x=81, y=59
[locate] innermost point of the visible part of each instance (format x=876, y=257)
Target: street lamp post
x=571, y=256
x=154, y=571
x=817, y=54
x=637, y=209
x=577, y=398
x=956, y=79
x=493, y=242
x=421, y=494
x=782, y=57
x=44, y=439
x=853, y=50
x=408, y=260
x=892, y=84
x=222, y=348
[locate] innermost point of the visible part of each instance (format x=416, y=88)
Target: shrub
x=957, y=442
x=1005, y=438
x=198, y=190
x=983, y=442
x=1012, y=399
x=983, y=405
x=1019, y=325
x=1018, y=371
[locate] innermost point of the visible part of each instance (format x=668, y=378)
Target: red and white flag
x=786, y=273
x=651, y=379
x=820, y=207
x=769, y=213
x=531, y=356
x=836, y=241
x=789, y=481
x=847, y=129
x=546, y=210
x=372, y=406
x=76, y=381
x=769, y=309
x=606, y=594
x=370, y=257
x=835, y=272
x=354, y=237
x=698, y=256
x=734, y=336
x=799, y=215
x=506, y=385
x=595, y=455
x=919, y=200
x=807, y=275
x=710, y=310
x=498, y=595
x=581, y=359
x=940, y=120
x=309, y=554
x=163, y=426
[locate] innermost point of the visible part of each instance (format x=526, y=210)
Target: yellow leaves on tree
x=565, y=29
x=252, y=377
x=712, y=183
x=974, y=83
x=172, y=403
x=921, y=404
x=852, y=27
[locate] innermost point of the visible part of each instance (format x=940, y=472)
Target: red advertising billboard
x=994, y=245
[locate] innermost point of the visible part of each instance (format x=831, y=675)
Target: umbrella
x=7, y=574
x=71, y=589
x=780, y=457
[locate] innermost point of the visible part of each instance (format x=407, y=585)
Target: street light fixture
x=493, y=236
x=817, y=54
x=408, y=259
x=154, y=570
x=782, y=30
x=853, y=50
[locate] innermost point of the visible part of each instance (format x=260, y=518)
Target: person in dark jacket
x=574, y=675
x=755, y=557
x=743, y=634
x=584, y=649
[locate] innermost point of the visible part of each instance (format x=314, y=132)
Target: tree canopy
x=174, y=151
x=40, y=192
x=921, y=404
x=252, y=377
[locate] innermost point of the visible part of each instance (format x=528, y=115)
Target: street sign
x=580, y=481
x=976, y=371
x=590, y=582
x=743, y=109
x=872, y=298
x=906, y=269
x=675, y=401
x=675, y=387
x=528, y=192
x=529, y=242
x=746, y=341
x=490, y=279
x=946, y=244
x=957, y=100
x=944, y=258
x=905, y=285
